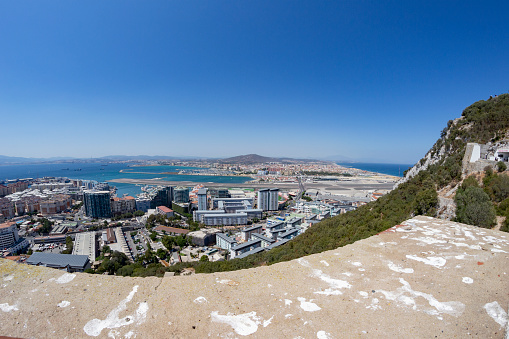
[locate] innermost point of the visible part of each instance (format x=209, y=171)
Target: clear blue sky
x=364, y=79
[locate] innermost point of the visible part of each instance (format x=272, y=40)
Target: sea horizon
x=383, y=168
x=103, y=172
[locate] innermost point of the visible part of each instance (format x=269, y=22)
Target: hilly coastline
x=416, y=194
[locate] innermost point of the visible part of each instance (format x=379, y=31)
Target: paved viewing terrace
x=425, y=278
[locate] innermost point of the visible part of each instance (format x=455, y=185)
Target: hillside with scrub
x=486, y=121
x=480, y=198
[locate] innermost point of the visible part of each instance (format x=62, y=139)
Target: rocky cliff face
x=434, y=156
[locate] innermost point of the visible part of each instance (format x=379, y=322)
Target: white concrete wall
x=476, y=153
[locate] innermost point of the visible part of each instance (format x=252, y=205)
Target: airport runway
x=329, y=185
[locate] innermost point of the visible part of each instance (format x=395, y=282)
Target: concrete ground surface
x=426, y=278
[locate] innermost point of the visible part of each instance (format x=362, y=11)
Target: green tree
x=426, y=202
x=501, y=166
x=68, y=245
x=181, y=241
x=161, y=253
x=153, y=236
x=168, y=242
x=473, y=207
x=470, y=181
x=204, y=258
x=498, y=187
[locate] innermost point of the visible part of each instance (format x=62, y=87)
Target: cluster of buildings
x=259, y=237
x=10, y=241
x=238, y=210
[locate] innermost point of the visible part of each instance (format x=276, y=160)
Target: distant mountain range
x=240, y=159
x=250, y=159
x=5, y=160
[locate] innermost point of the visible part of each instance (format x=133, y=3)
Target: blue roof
x=246, y=244
x=58, y=260
x=245, y=254
x=288, y=232
x=275, y=224
x=226, y=238
x=279, y=243
x=251, y=228
x=262, y=237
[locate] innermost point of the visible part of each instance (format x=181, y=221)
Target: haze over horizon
x=296, y=79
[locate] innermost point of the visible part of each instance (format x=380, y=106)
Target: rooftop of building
x=164, y=209
x=226, y=238
x=7, y=224
x=253, y=251
x=57, y=260
x=424, y=278
x=225, y=215
x=171, y=229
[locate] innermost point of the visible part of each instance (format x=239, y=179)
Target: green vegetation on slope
x=481, y=122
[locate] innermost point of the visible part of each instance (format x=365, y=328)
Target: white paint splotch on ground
x=267, y=322
x=323, y=335
x=374, y=304
x=324, y=262
x=406, y=296
x=334, y=284
x=498, y=251
x=64, y=303
x=462, y=244
x=95, y=326
x=9, y=278
x=66, y=278
x=200, y=300
x=497, y=313
x=308, y=306
x=243, y=324
x=429, y=240
x=329, y=291
x=399, y=269
x=8, y=308
x=228, y=282
x=287, y=302
x=356, y=263
x=467, y=280
x=432, y=261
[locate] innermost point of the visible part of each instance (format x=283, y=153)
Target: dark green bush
x=474, y=207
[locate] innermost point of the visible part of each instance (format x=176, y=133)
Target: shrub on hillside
x=498, y=187
x=473, y=207
x=501, y=166
x=426, y=202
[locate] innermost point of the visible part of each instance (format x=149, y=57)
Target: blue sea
x=107, y=171
x=391, y=169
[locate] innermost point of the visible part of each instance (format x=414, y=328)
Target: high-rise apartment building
x=97, y=204
x=268, y=199
x=181, y=195
x=163, y=196
x=202, y=199
x=123, y=205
